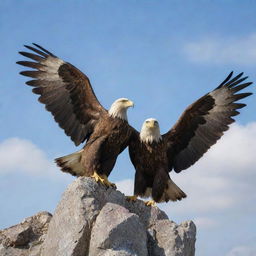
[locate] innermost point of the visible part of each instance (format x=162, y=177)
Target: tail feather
x=172, y=192
x=71, y=163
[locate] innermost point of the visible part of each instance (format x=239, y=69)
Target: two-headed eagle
x=68, y=95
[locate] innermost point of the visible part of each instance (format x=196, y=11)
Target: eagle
x=199, y=127
x=67, y=93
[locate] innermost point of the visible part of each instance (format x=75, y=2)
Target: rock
x=84, y=200
x=117, y=229
x=25, y=238
x=170, y=239
x=69, y=230
x=92, y=220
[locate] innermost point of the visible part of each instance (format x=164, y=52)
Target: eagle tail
x=172, y=192
x=71, y=163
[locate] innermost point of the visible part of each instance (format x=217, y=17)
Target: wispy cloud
x=126, y=186
x=20, y=155
x=222, y=50
x=242, y=251
x=205, y=222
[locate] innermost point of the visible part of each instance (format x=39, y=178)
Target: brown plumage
x=68, y=95
x=198, y=128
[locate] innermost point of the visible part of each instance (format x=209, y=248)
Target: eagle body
x=101, y=150
x=152, y=178
x=67, y=93
x=199, y=127
x=152, y=155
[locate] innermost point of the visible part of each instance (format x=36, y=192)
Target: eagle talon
x=107, y=183
x=103, y=180
x=131, y=198
x=98, y=178
x=150, y=203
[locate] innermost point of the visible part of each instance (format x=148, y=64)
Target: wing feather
x=65, y=91
x=44, y=54
x=240, y=87
x=204, y=122
x=32, y=56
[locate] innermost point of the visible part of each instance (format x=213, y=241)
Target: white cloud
x=242, y=251
x=125, y=186
x=223, y=50
x=205, y=222
x=235, y=152
x=20, y=155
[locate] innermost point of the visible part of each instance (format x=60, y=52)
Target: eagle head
x=119, y=108
x=150, y=131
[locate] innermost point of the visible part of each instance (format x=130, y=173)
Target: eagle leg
x=150, y=203
x=131, y=198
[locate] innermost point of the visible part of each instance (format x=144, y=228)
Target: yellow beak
x=151, y=124
x=130, y=103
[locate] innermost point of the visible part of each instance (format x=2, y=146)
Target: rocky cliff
x=95, y=221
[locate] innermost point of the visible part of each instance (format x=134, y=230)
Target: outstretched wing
x=65, y=91
x=203, y=123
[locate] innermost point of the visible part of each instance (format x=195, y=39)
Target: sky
x=163, y=55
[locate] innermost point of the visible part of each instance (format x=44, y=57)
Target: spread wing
x=65, y=91
x=203, y=123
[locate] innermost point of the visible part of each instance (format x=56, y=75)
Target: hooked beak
x=130, y=103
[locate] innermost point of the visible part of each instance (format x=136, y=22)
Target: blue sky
x=163, y=55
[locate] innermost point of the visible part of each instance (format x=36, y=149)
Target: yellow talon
x=150, y=203
x=131, y=198
x=97, y=178
x=103, y=180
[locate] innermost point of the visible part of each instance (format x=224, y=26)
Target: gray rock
x=92, y=220
x=110, y=252
x=117, y=229
x=25, y=238
x=84, y=199
x=69, y=230
x=169, y=239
